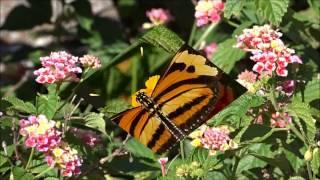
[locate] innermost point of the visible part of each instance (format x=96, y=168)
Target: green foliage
x=233, y=7
x=237, y=110
x=226, y=55
x=272, y=10
x=20, y=173
x=302, y=111
x=95, y=121
x=20, y=105
x=48, y=104
x=168, y=41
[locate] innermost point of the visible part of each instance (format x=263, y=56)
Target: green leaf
x=259, y=148
x=20, y=105
x=302, y=111
x=226, y=55
x=138, y=149
x=95, y=121
x=315, y=162
x=311, y=91
x=21, y=174
x=233, y=7
x=237, y=109
x=115, y=106
x=272, y=10
x=161, y=36
x=48, y=104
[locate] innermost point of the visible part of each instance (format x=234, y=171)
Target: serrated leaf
x=161, y=36
x=21, y=174
x=20, y=105
x=315, y=162
x=138, y=149
x=233, y=7
x=302, y=111
x=226, y=55
x=311, y=91
x=259, y=148
x=237, y=109
x=48, y=104
x=95, y=121
x=272, y=10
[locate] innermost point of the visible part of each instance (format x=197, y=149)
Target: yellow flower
x=196, y=142
x=57, y=152
x=150, y=85
x=204, y=6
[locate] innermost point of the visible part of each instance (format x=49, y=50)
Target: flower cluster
x=286, y=87
x=214, y=139
x=268, y=50
x=58, y=67
x=208, y=11
x=157, y=16
x=42, y=134
x=90, y=138
x=190, y=170
x=90, y=61
x=247, y=79
x=280, y=120
x=66, y=159
x=150, y=85
x=210, y=49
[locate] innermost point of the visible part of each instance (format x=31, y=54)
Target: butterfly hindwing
x=187, y=95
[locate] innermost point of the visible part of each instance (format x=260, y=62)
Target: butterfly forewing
x=188, y=94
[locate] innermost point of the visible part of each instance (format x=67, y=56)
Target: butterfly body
x=189, y=93
x=154, y=109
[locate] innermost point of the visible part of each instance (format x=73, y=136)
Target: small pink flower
x=248, y=76
x=162, y=162
x=157, y=16
x=280, y=120
x=208, y=11
x=210, y=50
x=59, y=66
x=286, y=87
x=90, y=61
x=258, y=67
x=30, y=142
x=215, y=138
x=90, y=138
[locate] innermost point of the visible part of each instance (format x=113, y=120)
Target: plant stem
x=182, y=150
x=309, y=171
x=193, y=31
x=43, y=172
x=273, y=96
x=30, y=158
x=205, y=35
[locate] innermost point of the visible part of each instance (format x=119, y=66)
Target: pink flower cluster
x=42, y=134
x=208, y=11
x=90, y=61
x=268, y=50
x=286, y=87
x=210, y=49
x=58, y=67
x=90, y=138
x=157, y=16
x=280, y=120
x=215, y=138
x=66, y=159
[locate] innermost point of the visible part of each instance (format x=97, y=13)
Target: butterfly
x=189, y=93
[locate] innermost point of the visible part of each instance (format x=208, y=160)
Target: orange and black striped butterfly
x=190, y=92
